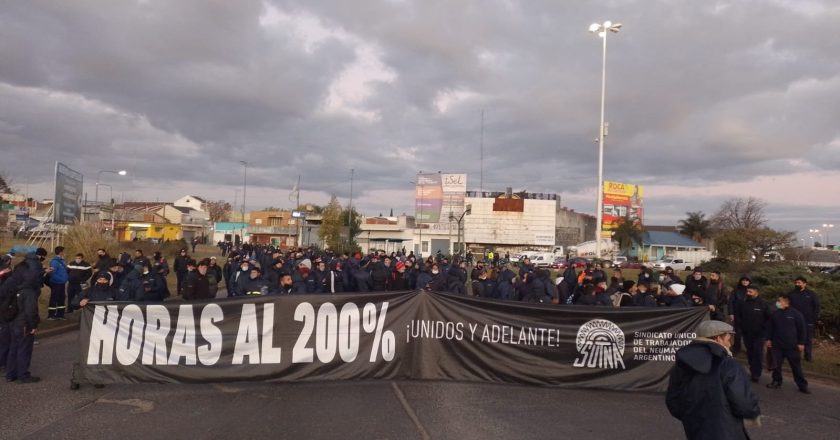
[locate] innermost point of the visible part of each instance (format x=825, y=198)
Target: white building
x=390, y=234
x=192, y=202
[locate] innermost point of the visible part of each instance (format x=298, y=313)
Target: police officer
x=79, y=272
x=24, y=326
x=806, y=301
x=197, y=283
x=753, y=314
x=786, y=336
x=255, y=284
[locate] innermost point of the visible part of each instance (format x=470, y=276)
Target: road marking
x=410, y=411
x=140, y=406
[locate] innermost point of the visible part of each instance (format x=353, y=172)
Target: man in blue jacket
x=58, y=285
x=786, y=337
x=708, y=390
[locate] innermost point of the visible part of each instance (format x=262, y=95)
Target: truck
x=682, y=260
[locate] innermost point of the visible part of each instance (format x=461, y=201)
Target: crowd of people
x=248, y=270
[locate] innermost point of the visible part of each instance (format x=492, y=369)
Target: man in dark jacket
x=754, y=315
x=380, y=274
x=79, y=272
x=142, y=285
x=197, y=284
x=255, y=284
x=22, y=331
x=806, y=301
x=708, y=391
x=786, y=337
x=696, y=284
x=181, y=267
x=739, y=294
x=102, y=260
x=644, y=297
x=101, y=290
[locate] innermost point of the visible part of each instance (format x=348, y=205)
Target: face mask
x=243, y=267
x=434, y=272
x=778, y=304
x=145, y=271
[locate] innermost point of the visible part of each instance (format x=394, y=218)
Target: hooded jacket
x=709, y=393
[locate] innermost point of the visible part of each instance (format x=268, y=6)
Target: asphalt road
x=365, y=410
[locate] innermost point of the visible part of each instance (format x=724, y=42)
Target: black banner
x=407, y=335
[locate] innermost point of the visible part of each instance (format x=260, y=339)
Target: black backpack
x=9, y=305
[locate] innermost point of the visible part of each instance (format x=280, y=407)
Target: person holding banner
x=708, y=390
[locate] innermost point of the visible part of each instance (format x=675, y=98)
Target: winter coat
x=181, y=264
x=379, y=277
x=786, y=329
x=696, y=287
x=438, y=282
x=33, y=278
x=710, y=394
x=139, y=287
x=59, y=274
x=753, y=315
x=424, y=279
x=197, y=286
x=505, y=290
x=335, y=281
x=485, y=288
x=807, y=303
x=644, y=299
x=254, y=286
x=399, y=281
x=456, y=280
x=79, y=273
x=98, y=293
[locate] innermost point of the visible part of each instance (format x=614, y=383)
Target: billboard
x=436, y=195
x=68, y=195
x=621, y=200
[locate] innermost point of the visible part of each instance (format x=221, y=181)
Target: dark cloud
x=698, y=93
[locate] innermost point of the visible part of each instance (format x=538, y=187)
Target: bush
x=169, y=249
x=86, y=238
x=774, y=279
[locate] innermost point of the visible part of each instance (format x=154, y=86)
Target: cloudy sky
x=705, y=99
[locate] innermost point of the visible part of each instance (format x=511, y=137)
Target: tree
x=740, y=213
x=741, y=244
x=5, y=185
x=696, y=226
x=627, y=232
x=219, y=211
x=330, y=232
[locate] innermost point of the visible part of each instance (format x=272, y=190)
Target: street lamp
x=601, y=30
x=827, y=226
x=452, y=217
x=817, y=233
x=99, y=176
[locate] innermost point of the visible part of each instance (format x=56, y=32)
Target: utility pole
x=350, y=209
x=300, y=221
x=481, y=179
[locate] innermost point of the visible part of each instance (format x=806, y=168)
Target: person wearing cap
x=101, y=290
x=674, y=296
x=754, y=316
x=142, y=285
x=708, y=390
x=180, y=268
x=786, y=336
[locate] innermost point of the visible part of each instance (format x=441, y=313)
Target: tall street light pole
x=99, y=176
x=827, y=228
x=244, y=192
x=602, y=30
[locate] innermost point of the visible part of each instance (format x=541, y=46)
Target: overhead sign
x=403, y=335
x=68, y=195
x=438, y=195
x=621, y=201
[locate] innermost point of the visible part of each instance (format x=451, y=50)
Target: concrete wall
x=573, y=227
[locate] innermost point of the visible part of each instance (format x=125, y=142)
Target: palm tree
x=626, y=233
x=695, y=226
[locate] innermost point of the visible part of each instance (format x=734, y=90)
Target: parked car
x=618, y=261
x=576, y=262
x=674, y=263
x=631, y=265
